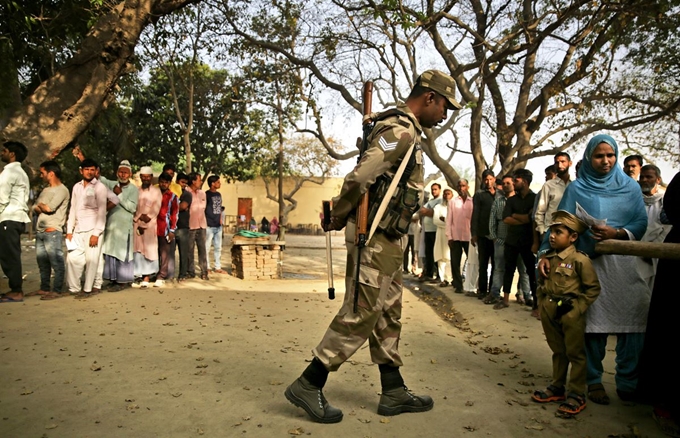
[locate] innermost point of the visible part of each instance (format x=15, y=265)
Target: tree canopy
x=537, y=76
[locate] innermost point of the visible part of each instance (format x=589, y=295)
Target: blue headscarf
x=613, y=196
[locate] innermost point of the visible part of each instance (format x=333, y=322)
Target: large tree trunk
x=10, y=97
x=62, y=107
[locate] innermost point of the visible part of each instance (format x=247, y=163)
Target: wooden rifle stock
x=362, y=207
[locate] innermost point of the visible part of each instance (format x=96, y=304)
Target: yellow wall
x=309, y=198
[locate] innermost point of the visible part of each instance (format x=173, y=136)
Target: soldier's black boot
x=310, y=398
x=396, y=401
x=307, y=393
x=396, y=398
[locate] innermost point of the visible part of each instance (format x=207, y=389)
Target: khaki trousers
x=379, y=310
x=566, y=338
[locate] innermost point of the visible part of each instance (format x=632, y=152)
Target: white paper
x=71, y=245
x=582, y=214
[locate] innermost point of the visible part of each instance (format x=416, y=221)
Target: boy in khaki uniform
x=564, y=297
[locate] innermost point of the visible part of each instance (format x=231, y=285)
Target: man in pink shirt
x=458, y=218
x=85, y=230
x=197, y=227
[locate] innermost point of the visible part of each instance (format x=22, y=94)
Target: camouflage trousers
x=379, y=307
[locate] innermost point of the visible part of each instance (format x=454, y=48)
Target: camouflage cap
x=561, y=217
x=441, y=83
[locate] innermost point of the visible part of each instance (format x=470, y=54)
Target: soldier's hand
x=334, y=224
x=473, y=240
x=94, y=241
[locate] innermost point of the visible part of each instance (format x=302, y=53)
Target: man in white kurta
x=85, y=230
x=441, y=246
x=650, y=178
x=145, y=242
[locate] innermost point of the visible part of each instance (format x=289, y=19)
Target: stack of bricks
x=256, y=262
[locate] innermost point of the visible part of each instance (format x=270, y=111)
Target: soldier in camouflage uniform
x=380, y=289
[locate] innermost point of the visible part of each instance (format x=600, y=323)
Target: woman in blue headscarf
x=606, y=193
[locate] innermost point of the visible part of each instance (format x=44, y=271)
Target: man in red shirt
x=166, y=225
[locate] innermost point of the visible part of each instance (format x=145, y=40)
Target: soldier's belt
x=558, y=298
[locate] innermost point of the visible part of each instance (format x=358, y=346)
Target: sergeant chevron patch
x=387, y=146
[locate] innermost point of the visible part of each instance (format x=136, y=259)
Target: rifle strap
x=390, y=191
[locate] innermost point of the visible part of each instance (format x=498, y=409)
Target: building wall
x=309, y=198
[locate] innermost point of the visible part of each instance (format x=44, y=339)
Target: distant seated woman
x=274, y=226
x=253, y=224
x=264, y=225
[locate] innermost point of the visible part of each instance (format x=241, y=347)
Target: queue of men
x=112, y=229
x=506, y=221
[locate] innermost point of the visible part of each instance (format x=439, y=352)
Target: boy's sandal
x=556, y=394
x=597, y=394
x=572, y=405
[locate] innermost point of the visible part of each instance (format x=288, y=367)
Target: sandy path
x=213, y=359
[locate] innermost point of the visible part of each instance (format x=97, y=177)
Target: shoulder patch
x=405, y=122
x=385, y=146
x=581, y=252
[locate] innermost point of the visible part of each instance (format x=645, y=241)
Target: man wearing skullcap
x=118, y=246
x=145, y=223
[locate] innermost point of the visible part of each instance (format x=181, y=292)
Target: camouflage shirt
x=389, y=141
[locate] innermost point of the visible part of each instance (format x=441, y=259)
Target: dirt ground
x=213, y=359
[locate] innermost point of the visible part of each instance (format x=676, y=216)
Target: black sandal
x=597, y=394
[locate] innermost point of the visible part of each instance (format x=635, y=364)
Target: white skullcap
x=146, y=170
x=125, y=164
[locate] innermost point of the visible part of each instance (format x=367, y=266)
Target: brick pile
x=256, y=262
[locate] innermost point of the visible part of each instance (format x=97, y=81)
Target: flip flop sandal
x=501, y=305
x=573, y=405
x=491, y=300
x=597, y=394
x=52, y=296
x=557, y=394
x=8, y=299
x=36, y=292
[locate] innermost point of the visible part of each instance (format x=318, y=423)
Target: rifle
x=362, y=208
x=329, y=256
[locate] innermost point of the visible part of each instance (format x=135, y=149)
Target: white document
x=71, y=245
x=582, y=214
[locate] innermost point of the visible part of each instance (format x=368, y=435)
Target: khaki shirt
x=389, y=141
x=572, y=273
